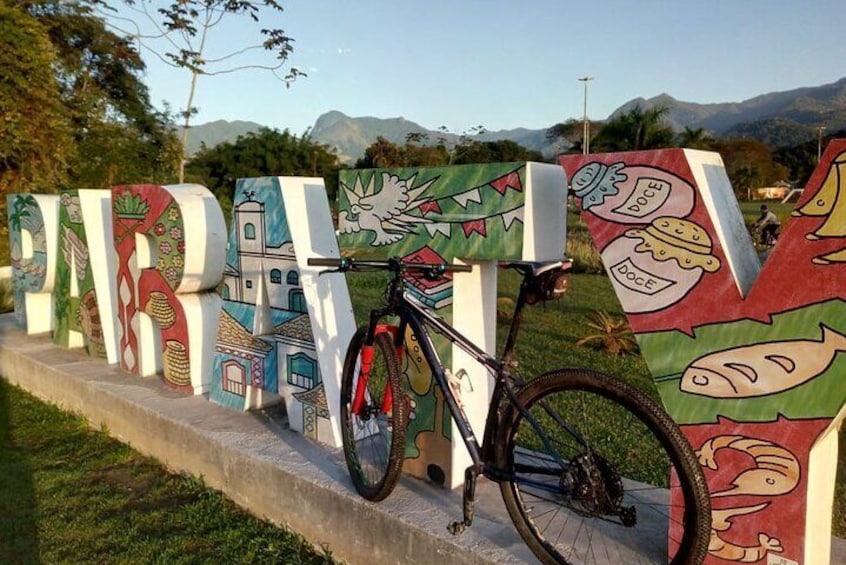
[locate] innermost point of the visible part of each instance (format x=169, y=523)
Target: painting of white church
x=265, y=349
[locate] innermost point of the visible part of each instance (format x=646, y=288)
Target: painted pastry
x=631, y=195
x=655, y=267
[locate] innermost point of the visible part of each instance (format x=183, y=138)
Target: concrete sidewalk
x=269, y=470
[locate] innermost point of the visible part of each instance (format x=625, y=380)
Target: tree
x=75, y=112
x=112, y=152
x=182, y=33
x=749, y=165
x=417, y=155
x=383, y=154
x=801, y=159
x=416, y=137
x=262, y=153
x=635, y=130
x=695, y=138
x=567, y=136
x=35, y=132
x=500, y=151
x=99, y=73
x=466, y=139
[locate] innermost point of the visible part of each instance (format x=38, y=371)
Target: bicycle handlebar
x=324, y=262
x=344, y=264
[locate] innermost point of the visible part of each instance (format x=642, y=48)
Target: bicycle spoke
x=603, y=498
x=373, y=442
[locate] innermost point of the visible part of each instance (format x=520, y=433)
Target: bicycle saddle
x=536, y=268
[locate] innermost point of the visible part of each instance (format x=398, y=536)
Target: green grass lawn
x=69, y=494
x=752, y=209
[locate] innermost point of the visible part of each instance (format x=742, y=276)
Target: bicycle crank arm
x=471, y=474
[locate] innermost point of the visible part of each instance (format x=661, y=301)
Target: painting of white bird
x=385, y=213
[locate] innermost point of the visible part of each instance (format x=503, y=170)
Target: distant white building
x=778, y=191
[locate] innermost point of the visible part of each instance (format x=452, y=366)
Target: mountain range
x=779, y=119
x=212, y=133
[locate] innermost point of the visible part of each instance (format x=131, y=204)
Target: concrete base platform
x=272, y=472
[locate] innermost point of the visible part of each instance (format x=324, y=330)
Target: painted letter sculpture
x=169, y=242
x=746, y=359
x=470, y=213
x=282, y=328
x=33, y=220
x=84, y=308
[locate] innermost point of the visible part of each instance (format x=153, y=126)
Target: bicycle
x=575, y=452
x=762, y=238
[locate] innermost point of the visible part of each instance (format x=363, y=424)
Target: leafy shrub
x=613, y=334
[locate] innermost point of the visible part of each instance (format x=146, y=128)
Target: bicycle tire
x=374, y=442
x=580, y=517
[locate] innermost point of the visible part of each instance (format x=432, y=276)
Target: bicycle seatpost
x=516, y=318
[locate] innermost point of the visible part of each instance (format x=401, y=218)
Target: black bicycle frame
x=418, y=317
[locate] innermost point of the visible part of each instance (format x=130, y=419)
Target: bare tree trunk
x=189, y=106
x=183, y=150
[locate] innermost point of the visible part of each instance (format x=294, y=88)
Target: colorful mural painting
x=33, y=220
x=77, y=317
x=168, y=241
x=745, y=357
x=471, y=213
x=266, y=348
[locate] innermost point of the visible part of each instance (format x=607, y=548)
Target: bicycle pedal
x=456, y=528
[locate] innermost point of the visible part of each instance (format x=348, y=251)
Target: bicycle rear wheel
x=592, y=485
x=373, y=416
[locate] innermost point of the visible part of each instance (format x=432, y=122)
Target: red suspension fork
x=367, y=354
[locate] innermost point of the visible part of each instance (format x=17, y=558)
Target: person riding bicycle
x=768, y=224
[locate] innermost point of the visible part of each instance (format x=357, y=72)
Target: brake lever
x=328, y=271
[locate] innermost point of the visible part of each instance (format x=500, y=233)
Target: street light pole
x=586, y=128
x=820, y=129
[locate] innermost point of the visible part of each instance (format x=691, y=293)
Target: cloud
x=344, y=50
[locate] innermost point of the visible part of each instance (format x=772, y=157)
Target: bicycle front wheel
x=589, y=465
x=373, y=416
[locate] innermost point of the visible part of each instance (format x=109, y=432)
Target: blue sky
x=515, y=64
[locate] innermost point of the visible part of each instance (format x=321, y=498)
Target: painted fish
x=776, y=469
x=721, y=520
x=761, y=369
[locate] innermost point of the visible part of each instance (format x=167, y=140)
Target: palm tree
x=567, y=136
x=635, y=130
x=20, y=211
x=695, y=138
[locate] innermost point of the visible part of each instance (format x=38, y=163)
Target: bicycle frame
x=584, y=482
x=420, y=319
